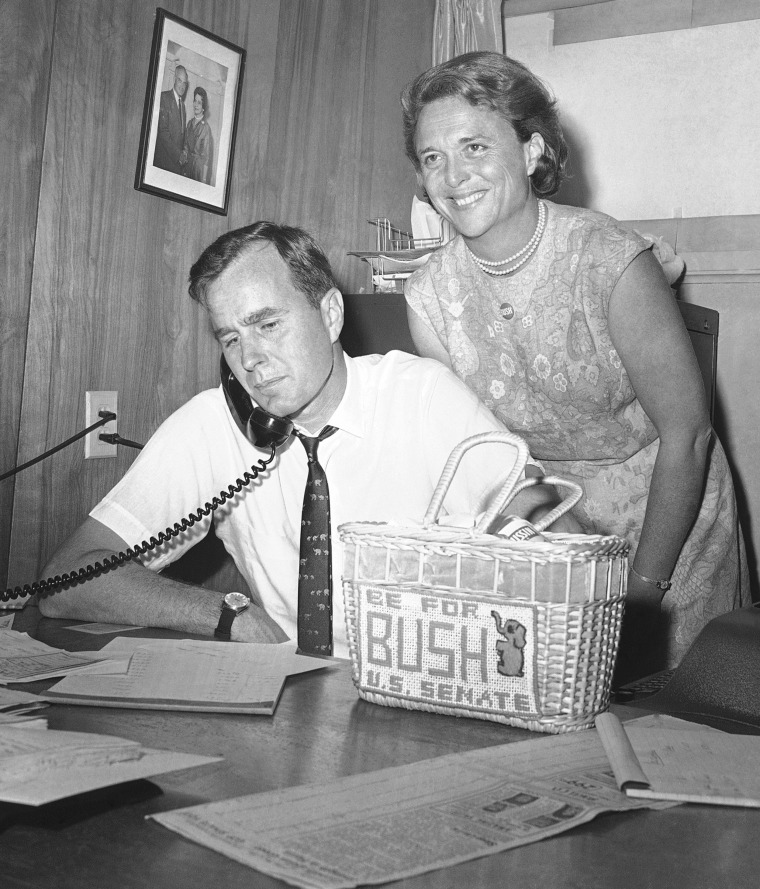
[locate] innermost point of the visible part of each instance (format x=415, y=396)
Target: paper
x=398, y=822
x=102, y=629
x=21, y=708
x=671, y=759
x=185, y=674
x=19, y=700
x=23, y=659
x=42, y=766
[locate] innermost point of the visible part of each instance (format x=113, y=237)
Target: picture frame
x=187, y=142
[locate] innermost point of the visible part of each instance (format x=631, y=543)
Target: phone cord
x=112, y=562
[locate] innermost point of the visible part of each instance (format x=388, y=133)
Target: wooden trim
x=577, y=21
x=715, y=248
x=620, y=18
x=513, y=8
x=721, y=12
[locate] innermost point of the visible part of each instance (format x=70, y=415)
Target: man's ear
x=534, y=150
x=331, y=309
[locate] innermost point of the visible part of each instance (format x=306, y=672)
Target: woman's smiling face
x=476, y=172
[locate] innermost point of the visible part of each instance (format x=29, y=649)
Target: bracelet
x=663, y=584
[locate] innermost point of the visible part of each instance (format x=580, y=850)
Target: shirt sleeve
x=173, y=476
x=453, y=414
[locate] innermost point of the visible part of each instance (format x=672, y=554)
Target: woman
x=197, y=148
x=564, y=325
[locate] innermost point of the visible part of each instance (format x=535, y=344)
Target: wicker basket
x=468, y=623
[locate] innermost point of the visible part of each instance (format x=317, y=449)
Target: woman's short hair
x=199, y=91
x=310, y=269
x=492, y=80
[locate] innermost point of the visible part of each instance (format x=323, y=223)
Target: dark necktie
x=315, y=568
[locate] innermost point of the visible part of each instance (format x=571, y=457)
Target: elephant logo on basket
x=510, y=648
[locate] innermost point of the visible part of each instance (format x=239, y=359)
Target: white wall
x=660, y=125
x=666, y=125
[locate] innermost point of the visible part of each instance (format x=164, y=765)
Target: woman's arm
x=649, y=335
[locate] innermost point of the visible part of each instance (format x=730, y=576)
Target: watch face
x=236, y=601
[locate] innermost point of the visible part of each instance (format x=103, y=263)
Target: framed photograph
x=187, y=140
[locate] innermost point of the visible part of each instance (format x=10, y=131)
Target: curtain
x=464, y=25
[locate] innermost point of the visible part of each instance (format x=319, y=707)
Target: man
x=170, y=138
x=277, y=315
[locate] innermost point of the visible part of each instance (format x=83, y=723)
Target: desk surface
x=321, y=730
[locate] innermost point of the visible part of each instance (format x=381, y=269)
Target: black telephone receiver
x=259, y=426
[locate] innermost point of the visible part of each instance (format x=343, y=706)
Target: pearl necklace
x=518, y=259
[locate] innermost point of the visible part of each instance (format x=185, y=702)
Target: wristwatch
x=232, y=605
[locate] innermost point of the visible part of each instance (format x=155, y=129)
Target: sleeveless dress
x=536, y=349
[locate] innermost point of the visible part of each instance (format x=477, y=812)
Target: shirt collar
x=348, y=415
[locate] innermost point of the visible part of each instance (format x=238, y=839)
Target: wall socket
x=94, y=403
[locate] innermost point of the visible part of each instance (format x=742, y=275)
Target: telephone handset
x=261, y=428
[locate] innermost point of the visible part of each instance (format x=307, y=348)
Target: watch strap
x=224, y=627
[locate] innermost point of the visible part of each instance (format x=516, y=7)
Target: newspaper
x=407, y=820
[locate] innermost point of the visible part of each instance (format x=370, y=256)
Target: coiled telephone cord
x=113, y=562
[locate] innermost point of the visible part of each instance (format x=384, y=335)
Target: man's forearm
x=134, y=595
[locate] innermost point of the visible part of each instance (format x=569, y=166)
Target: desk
x=322, y=730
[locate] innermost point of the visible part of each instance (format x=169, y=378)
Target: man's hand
x=255, y=625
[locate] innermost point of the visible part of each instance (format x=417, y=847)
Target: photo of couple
x=190, y=116
x=184, y=142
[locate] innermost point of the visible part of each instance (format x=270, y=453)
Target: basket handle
x=505, y=497
x=455, y=459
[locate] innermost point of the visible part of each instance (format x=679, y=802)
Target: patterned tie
x=315, y=569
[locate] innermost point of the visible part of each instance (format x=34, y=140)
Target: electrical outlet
x=94, y=403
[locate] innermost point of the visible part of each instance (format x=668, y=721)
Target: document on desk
x=23, y=659
x=41, y=766
x=677, y=760
x=399, y=822
x=19, y=708
x=187, y=674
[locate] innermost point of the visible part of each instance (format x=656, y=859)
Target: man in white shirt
x=277, y=315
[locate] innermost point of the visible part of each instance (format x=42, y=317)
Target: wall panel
x=26, y=39
x=109, y=305
x=335, y=147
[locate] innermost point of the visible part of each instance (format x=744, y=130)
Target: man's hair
x=494, y=81
x=310, y=269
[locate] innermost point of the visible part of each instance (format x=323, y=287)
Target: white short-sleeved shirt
x=398, y=421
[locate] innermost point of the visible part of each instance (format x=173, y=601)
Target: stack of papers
x=21, y=708
x=670, y=759
x=23, y=659
x=185, y=674
x=42, y=766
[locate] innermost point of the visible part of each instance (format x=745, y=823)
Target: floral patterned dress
x=536, y=349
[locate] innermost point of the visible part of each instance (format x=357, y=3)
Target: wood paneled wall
x=26, y=38
x=95, y=272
